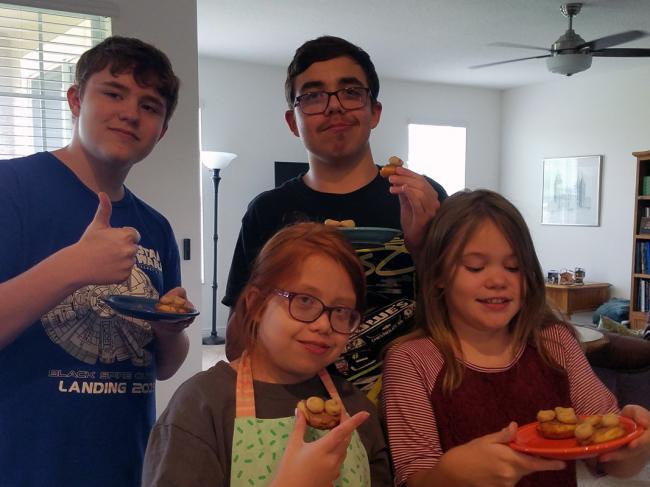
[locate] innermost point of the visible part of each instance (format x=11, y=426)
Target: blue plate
x=143, y=308
x=370, y=235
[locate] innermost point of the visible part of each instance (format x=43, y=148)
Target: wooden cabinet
x=640, y=287
x=577, y=297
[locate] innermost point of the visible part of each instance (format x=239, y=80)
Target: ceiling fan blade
x=613, y=40
x=521, y=46
x=622, y=53
x=509, y=61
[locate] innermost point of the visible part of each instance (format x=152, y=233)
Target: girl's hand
x=629, y=460
x=316, y=463
x=488, y=461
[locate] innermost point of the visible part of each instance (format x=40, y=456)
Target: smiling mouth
x=315, y=348
x=126, y=132
x=494, y=300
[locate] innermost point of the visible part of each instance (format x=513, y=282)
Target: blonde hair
x=280, y=261
x=455, y=223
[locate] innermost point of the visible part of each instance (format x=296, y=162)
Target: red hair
x=280, y=261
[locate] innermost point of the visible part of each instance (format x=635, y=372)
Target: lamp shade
x=216, y=160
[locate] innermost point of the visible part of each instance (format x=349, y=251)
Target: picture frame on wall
x=571, y=191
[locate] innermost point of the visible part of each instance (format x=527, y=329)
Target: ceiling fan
x=570, y=54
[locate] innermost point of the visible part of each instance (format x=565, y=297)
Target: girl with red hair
x=237, y=423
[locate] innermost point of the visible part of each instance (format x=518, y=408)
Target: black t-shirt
x=390, y=273
x=293, y=202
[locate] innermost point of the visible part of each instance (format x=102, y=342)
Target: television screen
x=288, y=170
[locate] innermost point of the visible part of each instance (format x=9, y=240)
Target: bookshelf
x=640, y=287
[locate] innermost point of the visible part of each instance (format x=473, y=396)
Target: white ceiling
x=424, y=40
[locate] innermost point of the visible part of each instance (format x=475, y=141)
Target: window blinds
x=38, y=52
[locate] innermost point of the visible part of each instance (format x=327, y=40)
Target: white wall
x=581, y=115
x=243, y=112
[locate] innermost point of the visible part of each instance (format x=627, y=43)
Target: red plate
x=529, y=441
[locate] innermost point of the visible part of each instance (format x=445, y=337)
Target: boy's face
x=337, y=134
x=118, y=121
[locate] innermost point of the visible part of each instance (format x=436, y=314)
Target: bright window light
x=438, y=151
x=38, y=52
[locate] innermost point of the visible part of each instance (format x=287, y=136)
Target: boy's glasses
x=316, y=102
x=307, y=308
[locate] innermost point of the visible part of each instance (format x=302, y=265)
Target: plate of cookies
x=171, y=308
x=561, y=434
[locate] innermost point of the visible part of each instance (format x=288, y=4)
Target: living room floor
x=214, y=353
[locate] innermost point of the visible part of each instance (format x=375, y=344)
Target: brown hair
x=149, y=65
x=325, y=48
x=454, y=224
x=281, y=259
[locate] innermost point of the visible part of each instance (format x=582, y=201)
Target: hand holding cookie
x=418, y=202
x=315, y=463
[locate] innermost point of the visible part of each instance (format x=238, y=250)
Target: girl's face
x=290, y=351
x=485, y=291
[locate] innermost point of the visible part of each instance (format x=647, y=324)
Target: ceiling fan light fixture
x=568, y=63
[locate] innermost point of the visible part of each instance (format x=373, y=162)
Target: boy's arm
x=26, y=297
x=419, y=202
x=172, y=342
x=103, y=255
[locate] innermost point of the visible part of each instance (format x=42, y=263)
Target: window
x=438, y=151
x=38, y=52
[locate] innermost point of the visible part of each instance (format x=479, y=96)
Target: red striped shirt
x=411, y=372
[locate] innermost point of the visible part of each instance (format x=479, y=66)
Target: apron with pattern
x=258, y=444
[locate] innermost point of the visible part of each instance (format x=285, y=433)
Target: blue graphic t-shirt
x=77, y=387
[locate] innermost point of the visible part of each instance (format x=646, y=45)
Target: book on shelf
x=639, y=292
x=642, y=257
x=644, y=225
x=643, y=296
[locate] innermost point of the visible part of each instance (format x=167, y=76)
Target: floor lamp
x=215, y=161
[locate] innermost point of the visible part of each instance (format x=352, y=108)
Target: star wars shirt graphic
x=89, y=330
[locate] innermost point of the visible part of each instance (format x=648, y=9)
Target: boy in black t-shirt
x=331, y=90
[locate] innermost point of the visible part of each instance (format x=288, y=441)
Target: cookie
x=389, y=169
x=319, y=413
x=556, y=430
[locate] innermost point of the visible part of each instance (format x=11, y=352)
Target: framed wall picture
x=571, y=192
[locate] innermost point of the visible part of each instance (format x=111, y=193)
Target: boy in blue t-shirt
x=78, y=380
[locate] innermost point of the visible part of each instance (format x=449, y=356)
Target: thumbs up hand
x=107, y=254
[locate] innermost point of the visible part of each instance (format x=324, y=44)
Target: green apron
x=258, y=444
